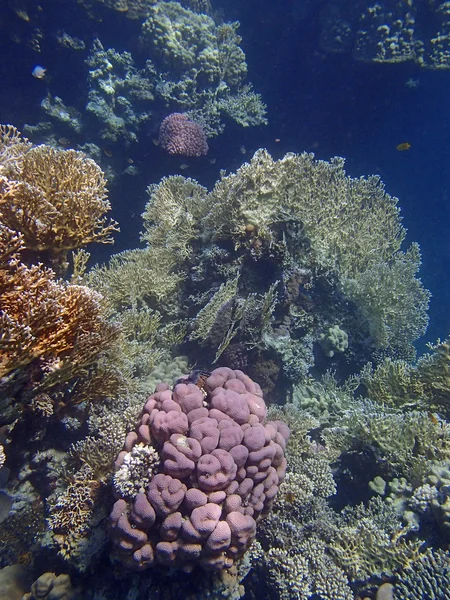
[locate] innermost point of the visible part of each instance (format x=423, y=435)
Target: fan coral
x=180, y=135
x=218, y=476
x=57, y=201
x=61, y=326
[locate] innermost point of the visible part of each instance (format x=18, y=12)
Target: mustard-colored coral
x=350, y=224
x=57, y=200
x=12, y=149
x=62, y=325
x=171, y=225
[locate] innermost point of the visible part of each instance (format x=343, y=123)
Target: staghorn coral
x=274, y=259
x=175, y=204
x=425, y=385
x=394, y=383
x=57, y=202
x=62, y=327
x=371, y=541
x=433, y=373
x=71, y=513
x=394, y=302
x=350, y=223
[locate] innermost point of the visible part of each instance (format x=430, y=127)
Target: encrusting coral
x=57, y=200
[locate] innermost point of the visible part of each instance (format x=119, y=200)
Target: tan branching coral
x=12, y=149
x=71, y=514
x=64, y=326
x=57, y=200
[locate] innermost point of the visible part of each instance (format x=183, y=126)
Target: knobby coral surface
x=218, y=475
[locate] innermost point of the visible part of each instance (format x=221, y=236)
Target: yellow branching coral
x=12, y=150
x=57, y=200
x=40, y=318
x=349, y=223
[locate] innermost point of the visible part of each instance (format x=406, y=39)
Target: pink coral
x=179, y=135
x=219, y=473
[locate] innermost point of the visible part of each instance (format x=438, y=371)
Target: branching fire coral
x=40, y=318
x=12, y=149
x=55, y=198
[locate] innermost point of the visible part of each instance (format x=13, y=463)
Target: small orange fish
x=433, y=418
x=403, y=146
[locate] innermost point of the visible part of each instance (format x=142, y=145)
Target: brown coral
x=40, y=318
x=56, y=199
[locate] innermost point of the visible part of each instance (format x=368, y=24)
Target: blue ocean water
x=389, y=118
x=329, y=104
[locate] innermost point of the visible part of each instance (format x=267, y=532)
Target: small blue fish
x=39, y=72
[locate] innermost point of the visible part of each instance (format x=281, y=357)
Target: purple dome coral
x=179, y=135
x=216, y=474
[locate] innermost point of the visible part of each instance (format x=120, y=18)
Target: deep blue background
x=328, y=104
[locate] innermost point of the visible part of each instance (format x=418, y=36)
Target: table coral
x=218, y=476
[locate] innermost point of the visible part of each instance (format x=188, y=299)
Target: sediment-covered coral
x=50, y=586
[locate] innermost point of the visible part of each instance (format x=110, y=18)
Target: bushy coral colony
x=234, y=408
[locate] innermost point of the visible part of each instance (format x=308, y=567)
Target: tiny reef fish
x=39, y=72
x=403, y=146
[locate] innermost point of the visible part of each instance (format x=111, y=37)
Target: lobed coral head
x=179, y=135
x=219, y=472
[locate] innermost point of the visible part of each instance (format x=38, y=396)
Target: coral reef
x=389, y=31
x=185, y=62
x=60, y=329
x=216, y=475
